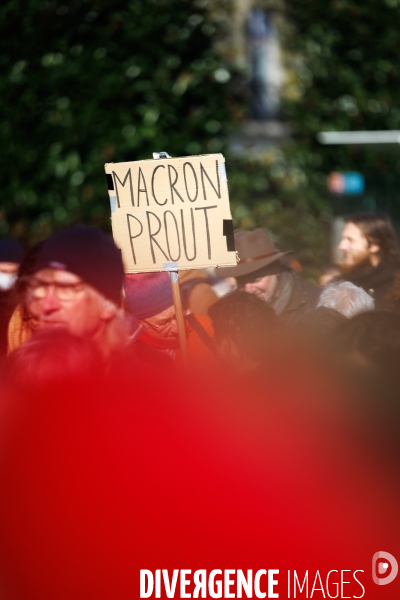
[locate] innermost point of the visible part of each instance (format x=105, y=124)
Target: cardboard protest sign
x=171, y=210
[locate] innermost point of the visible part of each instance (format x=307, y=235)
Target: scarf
x=159, y=343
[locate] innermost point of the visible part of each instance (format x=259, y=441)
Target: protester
x=371, y=257
x=149, y=298
x=371, y=340
x=247, y=333
x=366, y=356
x=316, y=326
x=196, y=291
x=262, y=272
x=11, y=253
x=51, y=357
x=21, y=324
x=73, y=281
x=346, y=298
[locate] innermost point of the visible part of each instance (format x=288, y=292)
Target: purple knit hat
x=148, y=294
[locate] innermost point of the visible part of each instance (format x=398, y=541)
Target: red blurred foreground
x=103, y=479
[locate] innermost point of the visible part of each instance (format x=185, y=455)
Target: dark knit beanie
x=88, y=253
x=10, y=250
x=148, y=294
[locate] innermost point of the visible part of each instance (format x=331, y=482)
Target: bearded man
x=371, y=257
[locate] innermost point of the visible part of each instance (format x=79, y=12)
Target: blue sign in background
x=353, y=183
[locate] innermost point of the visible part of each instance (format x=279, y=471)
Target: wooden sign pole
x=180, y=319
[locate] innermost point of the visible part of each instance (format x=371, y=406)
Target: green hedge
x=344, y=72
x=88, y=82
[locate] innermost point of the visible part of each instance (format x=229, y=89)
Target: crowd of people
x=73, y=284
x=80, y=336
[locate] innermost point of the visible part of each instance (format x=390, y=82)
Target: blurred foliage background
x=342, y=74
x=87, y=82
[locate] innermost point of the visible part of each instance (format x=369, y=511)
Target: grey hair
x=346, y=298
x=116, y=335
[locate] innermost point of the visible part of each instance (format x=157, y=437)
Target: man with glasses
x=75, y=283
x=149, y=299
x=262, y=271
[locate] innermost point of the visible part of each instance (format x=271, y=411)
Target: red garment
x=159, y=343
x=199, y=354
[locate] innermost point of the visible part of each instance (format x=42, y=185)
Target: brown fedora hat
x=255, y=249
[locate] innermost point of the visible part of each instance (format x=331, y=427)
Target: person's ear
x=108, y=309
x=373, y=248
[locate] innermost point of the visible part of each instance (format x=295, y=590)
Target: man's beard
x=362, y=266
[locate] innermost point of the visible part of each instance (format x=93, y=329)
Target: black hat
x=10, y=250
x=88, y=253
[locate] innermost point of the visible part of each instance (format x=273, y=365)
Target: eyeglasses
x=162, y=327
x=65, y=292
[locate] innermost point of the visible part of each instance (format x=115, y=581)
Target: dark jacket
x=296, y=297
x=378, y=281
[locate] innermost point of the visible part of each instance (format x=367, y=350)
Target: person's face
x=57, y=298
x=8, y=275
x=163, y=325
x=355, y=247
x=10, y=268
x=263, y=287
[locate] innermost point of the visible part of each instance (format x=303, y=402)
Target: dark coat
x=378, y=281
x=303, y=297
